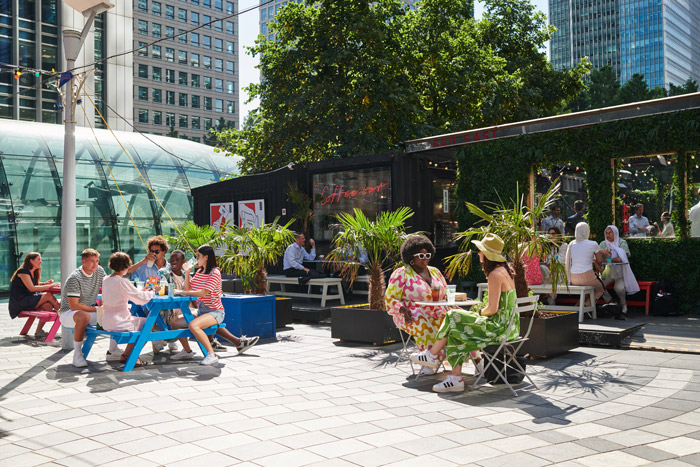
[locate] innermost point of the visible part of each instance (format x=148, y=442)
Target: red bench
x=44, y=317
x=644, y=286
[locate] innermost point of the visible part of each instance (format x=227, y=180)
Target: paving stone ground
x=305, y=399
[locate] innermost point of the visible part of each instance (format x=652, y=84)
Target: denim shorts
x=217, y=314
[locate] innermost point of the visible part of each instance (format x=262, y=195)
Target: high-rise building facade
x=189, y=81
x=659, y=39
x=30, y=38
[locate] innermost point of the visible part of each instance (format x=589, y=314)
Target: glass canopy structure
x=112, y=174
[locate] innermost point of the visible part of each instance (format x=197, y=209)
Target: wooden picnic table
x=152, y=313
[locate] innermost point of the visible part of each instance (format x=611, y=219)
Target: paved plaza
x=306, y=399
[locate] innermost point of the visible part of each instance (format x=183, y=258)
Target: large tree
x=603, y=87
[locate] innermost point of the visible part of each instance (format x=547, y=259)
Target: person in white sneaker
x=79, y=300
x=463, y=332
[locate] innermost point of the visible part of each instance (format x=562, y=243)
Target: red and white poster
x=220, y=213
x=251, y=213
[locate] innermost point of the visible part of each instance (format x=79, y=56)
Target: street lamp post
x=72, y=43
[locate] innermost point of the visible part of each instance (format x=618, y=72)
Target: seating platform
x=644, y=286
x=581, y=290
x=44, y=317
x=324, y=282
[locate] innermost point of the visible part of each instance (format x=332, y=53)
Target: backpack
x=663, y=299
x=610, y=310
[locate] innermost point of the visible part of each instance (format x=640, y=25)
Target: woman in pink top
x=116, y=294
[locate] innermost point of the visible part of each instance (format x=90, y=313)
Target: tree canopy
x=349, y=77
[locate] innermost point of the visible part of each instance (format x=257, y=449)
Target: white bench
x=361, y=280
x=323, y=282
x=581, y=290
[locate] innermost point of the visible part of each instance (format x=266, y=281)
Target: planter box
x=283, y=312
x=355, y=324
x=252, y=315
x=551, y=336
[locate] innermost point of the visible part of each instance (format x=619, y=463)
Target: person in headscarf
x=580, y=257
x=618, y=270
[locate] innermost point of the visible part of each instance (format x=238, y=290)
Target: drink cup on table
x=435, y=291
x=451, y=292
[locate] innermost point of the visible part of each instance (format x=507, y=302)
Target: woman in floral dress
x=463, y=332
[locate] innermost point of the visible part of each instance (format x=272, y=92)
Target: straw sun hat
x=491, y=246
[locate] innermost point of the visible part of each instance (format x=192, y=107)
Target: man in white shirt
x=553, y=220
x=294, y=257
x=638, y=224
x=694, y=218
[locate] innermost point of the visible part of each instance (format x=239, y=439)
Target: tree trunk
x=260, y=286
x=376, y=289
x=521, y=288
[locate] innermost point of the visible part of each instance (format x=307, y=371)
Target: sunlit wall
x=31, y=168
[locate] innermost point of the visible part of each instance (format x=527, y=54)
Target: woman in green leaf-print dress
x=466, y=331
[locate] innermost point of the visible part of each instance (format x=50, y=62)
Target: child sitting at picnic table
x=117, y=291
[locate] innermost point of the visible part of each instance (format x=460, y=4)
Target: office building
x=30, y=37
x=189, y=81
x=659, y=39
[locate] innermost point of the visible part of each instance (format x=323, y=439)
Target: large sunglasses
x=424, y=255
x=155, y=252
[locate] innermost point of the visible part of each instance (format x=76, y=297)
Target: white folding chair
x=406, y=341
x=502, y=357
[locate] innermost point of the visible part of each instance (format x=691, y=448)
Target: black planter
x=552, y=335
x=283, y=311
x=355, y=324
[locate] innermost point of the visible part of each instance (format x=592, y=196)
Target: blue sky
x=249, y=28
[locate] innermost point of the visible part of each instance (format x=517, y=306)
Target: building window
x=143, y=71
x=207, y=103
x=219, y=26
x=157, y=117
x=169, y=11
x=195, y=101
x=157, y=72
x=194, y=60
x=170, y=97
x=230, y=46
x=206, y=42
x=156, y=97
x=195, y=2
x=229, y=68
x=143, y=93
x=218, y=45
x=220, y=105
x=194, y=18
x=206, y=20
x=183, y=121
x=182, y=99
x=155, y=51
x=206, y=62
x=170, y=32
x=182, y=57
x=170, y=119
x=230, y=87
x=155, y=10
x=170, y=76
x=263, y=28
x=219, y=5
x=142, y=6
x=195, y=123
x=206, y=3
x=194, y=39
x=169, y=54
x=219, y=85
x=206, y=83
x=182, y=15
x=155, y=29
x=182, y=36
x=143, y=116
x=182, y=78
x=207, y=124
x=229, y=8
x=230, y=107
x=229, y=27
x=195, y=80
x=219, y=65
x=143, y=27
x=143, y=49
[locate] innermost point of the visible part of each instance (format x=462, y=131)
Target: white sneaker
x=450, y=384
x=425, y=358
x=624, y=308
x=182, y=355
x=210, y=359
x=114, y=356
x=172, y=347
x=79, y=361
x=426, y=370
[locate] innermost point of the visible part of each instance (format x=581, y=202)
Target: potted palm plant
x=380, y=242
x=552, y=332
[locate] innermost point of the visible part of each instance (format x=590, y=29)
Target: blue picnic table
x=151, y=311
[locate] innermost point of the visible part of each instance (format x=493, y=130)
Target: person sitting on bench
x=28, y=293
x=295, y=255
